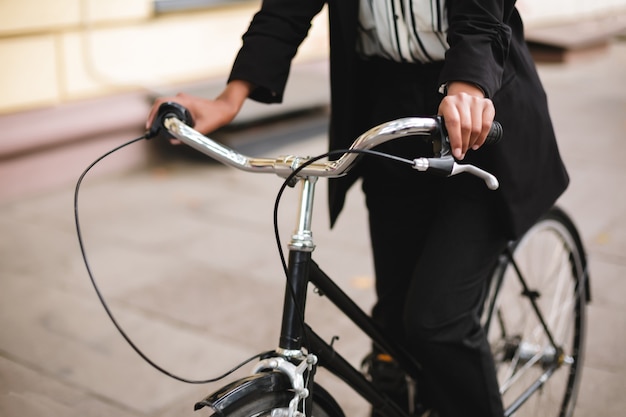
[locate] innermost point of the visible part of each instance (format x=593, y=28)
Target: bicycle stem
x=302, y=238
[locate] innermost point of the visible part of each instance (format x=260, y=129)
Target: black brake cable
x=106, y=306
x=286, y=183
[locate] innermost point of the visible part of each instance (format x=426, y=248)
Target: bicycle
x=534, y=313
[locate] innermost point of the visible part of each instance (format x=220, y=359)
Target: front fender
x=247, y=390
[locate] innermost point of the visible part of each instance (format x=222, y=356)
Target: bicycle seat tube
x=301, y=247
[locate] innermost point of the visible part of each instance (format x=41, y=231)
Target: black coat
x=487, y=48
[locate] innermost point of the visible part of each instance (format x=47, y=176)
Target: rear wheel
x=535, y=319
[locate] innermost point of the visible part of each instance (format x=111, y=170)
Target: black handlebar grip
x=495, y=134
x=168, y=109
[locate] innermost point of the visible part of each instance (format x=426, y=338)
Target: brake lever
x=446, y=166
x=440, y=142
x=490, y=180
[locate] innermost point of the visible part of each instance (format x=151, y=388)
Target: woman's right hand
x=209, y=115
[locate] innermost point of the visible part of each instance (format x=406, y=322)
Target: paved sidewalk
x=166, y=245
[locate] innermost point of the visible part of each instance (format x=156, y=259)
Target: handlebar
x=174, y=120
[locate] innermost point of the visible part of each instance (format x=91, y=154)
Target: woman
x=434, y=240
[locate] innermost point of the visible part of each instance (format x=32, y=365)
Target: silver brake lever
x=490, y=179
x=447, y=166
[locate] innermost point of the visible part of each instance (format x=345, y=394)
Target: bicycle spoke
x=537, y=331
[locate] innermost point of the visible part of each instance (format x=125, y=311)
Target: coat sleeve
x=270, y=43
x=479, y=39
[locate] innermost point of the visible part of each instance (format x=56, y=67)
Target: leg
x=398, y=221
x=445, y=299
x=394, y=262
x=450, y=232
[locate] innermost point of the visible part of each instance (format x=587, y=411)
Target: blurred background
x=78, y=74
x=165, y=234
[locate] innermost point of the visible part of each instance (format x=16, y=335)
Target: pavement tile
x=28, y=393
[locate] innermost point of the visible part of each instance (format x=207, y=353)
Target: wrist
x=458, y=87
x=235, y=93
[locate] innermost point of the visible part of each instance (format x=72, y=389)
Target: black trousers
x=435, y=242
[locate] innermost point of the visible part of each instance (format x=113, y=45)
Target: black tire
x=266, y=403
x=551, y=259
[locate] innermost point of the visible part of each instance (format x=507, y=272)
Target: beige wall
x=549, y=12
x=59, y=51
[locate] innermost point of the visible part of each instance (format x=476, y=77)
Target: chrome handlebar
x=286, y=165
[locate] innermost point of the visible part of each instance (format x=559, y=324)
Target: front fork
x=300, y=376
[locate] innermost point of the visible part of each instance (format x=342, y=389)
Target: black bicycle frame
x=302, y=270
x=295, y=333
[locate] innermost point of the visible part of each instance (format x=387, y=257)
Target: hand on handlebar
x=208, y=115
x=468, y=116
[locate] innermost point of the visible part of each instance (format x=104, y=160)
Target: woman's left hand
x=468, y=116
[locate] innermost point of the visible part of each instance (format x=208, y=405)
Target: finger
x=466, y=126
x=477, y=136
x=487, y=117
x=452, y=119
